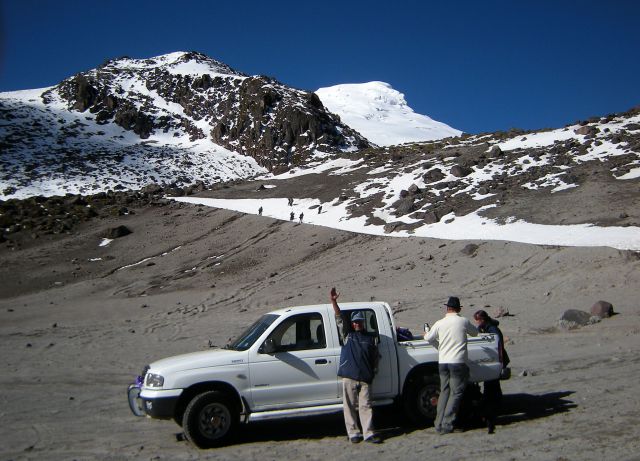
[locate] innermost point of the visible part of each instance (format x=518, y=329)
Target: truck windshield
x=251, y=334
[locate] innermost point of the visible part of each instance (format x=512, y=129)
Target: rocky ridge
x=182, y=117
x=256, y=116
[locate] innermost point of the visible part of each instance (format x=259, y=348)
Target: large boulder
x=586, y=130
x=433, y=175
x=602, y=309
x=117, y=232
x=431, y=217
x=404, y=206
x=460, y=171
x=495, y=152
x=470, y=249
x=152, y=189
x=414, y=189
x=574, y=318
x=396, y=226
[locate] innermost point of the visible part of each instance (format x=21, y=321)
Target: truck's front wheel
x=210, y=419
x=421, y=399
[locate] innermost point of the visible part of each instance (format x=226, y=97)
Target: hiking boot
x=445, y=430
x=373, y=439
x=355, y=439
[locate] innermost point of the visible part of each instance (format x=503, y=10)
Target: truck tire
x=421, y=399
x=210, y=419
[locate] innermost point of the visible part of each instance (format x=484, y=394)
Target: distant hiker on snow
x=260, y=211
x=291, y=216
x=301, y=216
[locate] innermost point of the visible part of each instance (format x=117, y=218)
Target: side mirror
x=268, y=347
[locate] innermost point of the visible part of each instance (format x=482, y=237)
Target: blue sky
x=475, y=65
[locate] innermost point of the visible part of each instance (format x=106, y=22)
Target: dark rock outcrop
x=257, y=116
x=433, y=175
x=469, y=249
x=460, y=171
x=117, y=232
x=602, y=309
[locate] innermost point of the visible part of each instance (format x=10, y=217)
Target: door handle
x=321, y=361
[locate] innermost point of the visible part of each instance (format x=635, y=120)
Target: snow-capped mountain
x=184, y=118
x=381, y=114
x=177, y=118
x=576, y=185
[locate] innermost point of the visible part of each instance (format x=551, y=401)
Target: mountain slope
x=381, y=114
x=576, y=185
x=573, y=186
x=177, y=118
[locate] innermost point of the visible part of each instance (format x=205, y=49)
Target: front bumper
x=156, y=404
x=163, y=408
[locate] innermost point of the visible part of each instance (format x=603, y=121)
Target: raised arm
x=344, y=327
x=334, y=301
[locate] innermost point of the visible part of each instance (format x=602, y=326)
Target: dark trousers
x=491, y=397
x=453, y=380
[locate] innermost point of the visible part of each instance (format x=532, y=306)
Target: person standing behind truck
x=357, y=368
x=491, y=392
x=449, y=336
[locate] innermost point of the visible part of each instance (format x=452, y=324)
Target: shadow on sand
x=523, y=407
x=390, y=421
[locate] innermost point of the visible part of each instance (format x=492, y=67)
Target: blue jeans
x=453, y=380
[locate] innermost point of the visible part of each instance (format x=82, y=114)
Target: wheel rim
x=214, y=421
x=428, y=401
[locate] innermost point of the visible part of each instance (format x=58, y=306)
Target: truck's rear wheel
x=210, y=419
x=421, y=399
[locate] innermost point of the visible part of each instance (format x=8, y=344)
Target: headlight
x=153, y=380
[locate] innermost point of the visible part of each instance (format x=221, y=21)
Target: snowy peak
x=381, y=114
x=179, y=63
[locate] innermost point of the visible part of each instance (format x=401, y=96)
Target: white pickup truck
x=285, y=365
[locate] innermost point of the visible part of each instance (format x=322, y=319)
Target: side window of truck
x=300, y=332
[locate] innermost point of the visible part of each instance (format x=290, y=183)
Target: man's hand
x=334, y=294
x=334, y=301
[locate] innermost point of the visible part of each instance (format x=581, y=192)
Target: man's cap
x=453, y=302
x=357, y=316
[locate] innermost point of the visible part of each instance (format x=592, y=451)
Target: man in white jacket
x=449, y=336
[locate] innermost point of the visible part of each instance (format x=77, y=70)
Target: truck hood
x=203, y=359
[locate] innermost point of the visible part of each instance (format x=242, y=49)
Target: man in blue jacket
x=358, y=363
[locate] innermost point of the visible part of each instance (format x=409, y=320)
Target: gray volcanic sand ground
x=75, y=332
